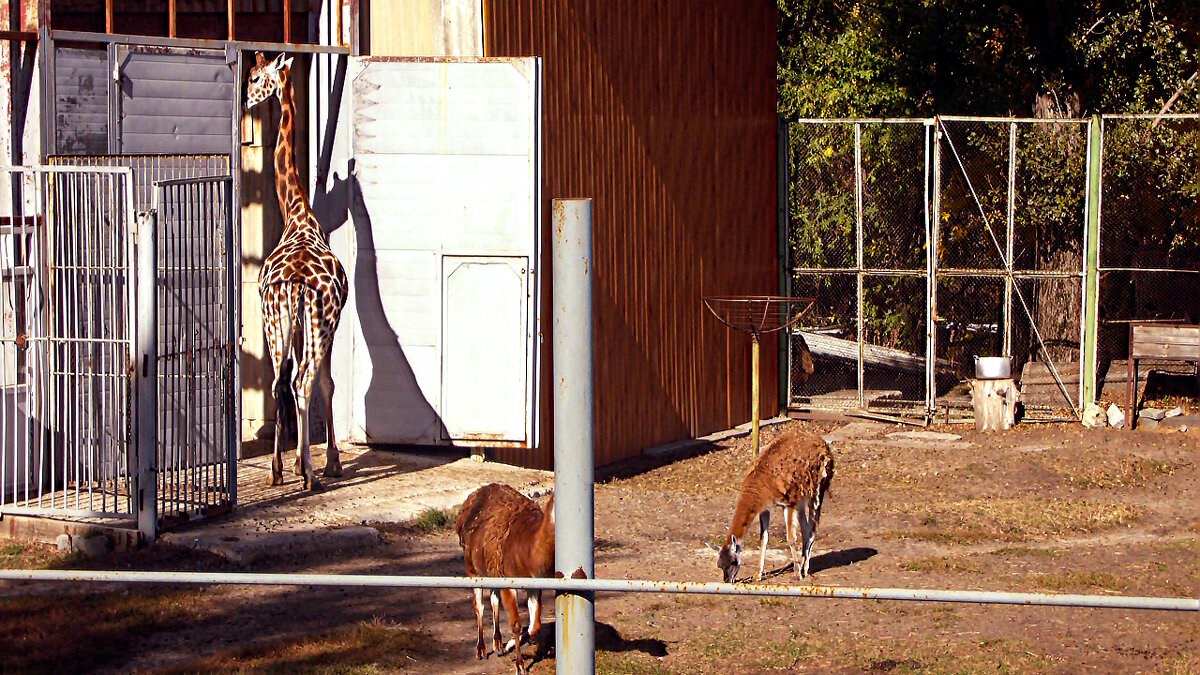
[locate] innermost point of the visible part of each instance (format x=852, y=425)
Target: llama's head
x=266, y=79
x=729, y=558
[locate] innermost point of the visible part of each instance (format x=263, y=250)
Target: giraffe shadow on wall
x=395, y=408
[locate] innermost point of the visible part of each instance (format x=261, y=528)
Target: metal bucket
x=993, y=367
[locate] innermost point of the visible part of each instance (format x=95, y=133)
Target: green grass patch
x=434, y=519
x=19, y=555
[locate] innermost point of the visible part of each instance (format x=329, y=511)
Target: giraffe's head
x=266, y=79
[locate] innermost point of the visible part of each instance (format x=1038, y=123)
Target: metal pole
x=571, y=262
x=755, y=412
x=1091, y=264
x=147, y=377
x=612, y=586
x=858, y=264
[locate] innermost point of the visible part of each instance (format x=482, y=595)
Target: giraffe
x=302, y=286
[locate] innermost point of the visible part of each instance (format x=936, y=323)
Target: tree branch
x=1171, y=101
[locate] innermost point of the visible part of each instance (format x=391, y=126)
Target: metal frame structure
x=996, y=219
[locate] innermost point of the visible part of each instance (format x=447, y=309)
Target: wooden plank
x=1166, y=342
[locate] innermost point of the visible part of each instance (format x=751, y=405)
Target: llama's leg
x=509, y=597
x=791, y=515
x=533, y=600
x=808, y=526
x=497, y=645
x=277, y=328
x=333, y=460
x=477, y=604
x=764, y=522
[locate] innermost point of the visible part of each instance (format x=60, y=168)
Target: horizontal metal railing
x=614, y=586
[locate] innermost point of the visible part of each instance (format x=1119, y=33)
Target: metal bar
x=1009, y=226
x=783, y=180
x=147, y=376
x=615, y=586
x=574, y=448
x=1022, y=120
x=1151, y=116
x=287, y=21
x=934, y=251
x=930, y=279
x=19, y=35
x=1090, y=326
x=858, y=248
x=196, y=43
x=870, y=272
x=755, y=412
x=230, y=18
x=1142, y=269
x=864, y=120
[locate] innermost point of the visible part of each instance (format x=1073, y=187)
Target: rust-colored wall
x=664, y=113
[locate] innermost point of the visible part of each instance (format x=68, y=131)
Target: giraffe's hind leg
x=306, y=369
x=277, y=326
x=333, y=460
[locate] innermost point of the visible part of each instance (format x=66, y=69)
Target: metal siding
x=175, y=103
x=81, y=101
x=664, y=113
x=444, y=168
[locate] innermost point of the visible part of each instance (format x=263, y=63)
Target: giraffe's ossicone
x=301, y=284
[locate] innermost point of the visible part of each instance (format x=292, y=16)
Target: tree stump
x=995, y=403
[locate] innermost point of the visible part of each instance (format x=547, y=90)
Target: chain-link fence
x=993, y=211
x=1149, y=238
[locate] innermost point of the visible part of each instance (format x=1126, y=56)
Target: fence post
x=1091, y=264
x=147, y=376
x=575, y=612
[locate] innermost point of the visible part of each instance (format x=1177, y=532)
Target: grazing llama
x=503, y=533
x=794, y=472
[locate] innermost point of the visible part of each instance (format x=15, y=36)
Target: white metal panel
x=445, y=198
x=484, y=361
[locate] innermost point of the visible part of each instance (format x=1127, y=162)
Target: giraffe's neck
x=293, y=202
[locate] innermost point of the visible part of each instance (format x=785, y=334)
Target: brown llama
x=794, y=472
x=503, y=533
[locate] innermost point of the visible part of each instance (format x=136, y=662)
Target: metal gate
x=196, y=364
x=79, y=302
x=66, y=344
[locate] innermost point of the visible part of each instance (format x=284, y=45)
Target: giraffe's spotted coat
x=302, y=285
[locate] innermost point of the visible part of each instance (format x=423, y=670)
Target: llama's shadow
x=825, y=561
x=608, y=639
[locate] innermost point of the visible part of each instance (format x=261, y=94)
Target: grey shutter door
x=178, y=102
x=81, y=87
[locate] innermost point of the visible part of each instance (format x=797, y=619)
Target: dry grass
x=369, y=648
x=84, y=632
x=942, y=564
x=24, y=556
x=1009, y=519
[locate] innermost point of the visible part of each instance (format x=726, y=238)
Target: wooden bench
x=1161, y=342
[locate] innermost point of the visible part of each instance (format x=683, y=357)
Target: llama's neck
x=288, y=187
x=747, y=509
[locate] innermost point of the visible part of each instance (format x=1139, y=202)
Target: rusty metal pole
x=574, y=612
x=755, y=412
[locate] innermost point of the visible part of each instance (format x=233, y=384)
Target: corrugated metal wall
x=81, y=86
x=177, y=102
x=664, y=113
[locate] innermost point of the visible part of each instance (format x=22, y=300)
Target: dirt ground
x=1040, y=508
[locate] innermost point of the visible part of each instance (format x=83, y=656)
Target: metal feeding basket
x=757, y=315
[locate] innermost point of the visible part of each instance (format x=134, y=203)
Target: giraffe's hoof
x=333, y=470
x=298, y=468
x=276, y=478
x=314, y=485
